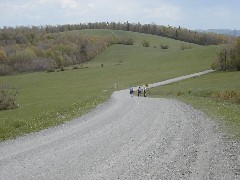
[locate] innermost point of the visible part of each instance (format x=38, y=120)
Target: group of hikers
x=139, y=91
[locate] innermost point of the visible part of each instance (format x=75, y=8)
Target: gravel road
x=126, y=138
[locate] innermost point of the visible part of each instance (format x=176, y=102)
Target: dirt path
x=126, y=138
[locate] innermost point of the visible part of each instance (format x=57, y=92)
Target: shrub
x=8, y=98
x=75, y=67
x=145, y=43
x=179, y=93
x=164, y=46
x=22, y=60
x=222, y=59
x=228, y=59
x=2, y=55
x=50, y=70
x=5, y=70
x=183, y=47
x=125, y=41
x=229, y=95
x=190, y=91
x=81, y=65
x=40, y=64
x=214, y=65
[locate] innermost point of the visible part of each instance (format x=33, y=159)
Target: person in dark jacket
x=139, y=91
x=131, y=91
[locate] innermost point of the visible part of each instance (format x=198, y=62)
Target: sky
x=190, y=14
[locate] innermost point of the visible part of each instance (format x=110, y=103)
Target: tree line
x=31, y=32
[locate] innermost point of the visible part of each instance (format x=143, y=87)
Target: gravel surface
x=126, y=138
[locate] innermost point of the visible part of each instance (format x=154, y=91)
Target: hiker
x=131, y=91
x=139, y=91
x=144, y=91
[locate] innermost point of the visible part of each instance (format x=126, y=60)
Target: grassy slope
x=47, y=99
x=204, y=91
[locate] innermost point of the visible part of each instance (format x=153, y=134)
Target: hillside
x=48, y=99
x=47, y=48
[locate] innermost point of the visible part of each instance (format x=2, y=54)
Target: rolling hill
x=48, y=99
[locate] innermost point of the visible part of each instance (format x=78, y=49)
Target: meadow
x=48, y=99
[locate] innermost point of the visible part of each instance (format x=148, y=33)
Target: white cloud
x=93, y=10
x=43, y=1
x=163, y=12
x=91, y=5
x=66, y=4
x=71, y=4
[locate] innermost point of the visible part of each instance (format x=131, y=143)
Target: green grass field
x=217, y=94
x=48, y=99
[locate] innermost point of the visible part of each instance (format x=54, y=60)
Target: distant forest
x=41, y=48
x=223, y=31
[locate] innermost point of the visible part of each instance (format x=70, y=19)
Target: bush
x=40, y=64
x=22, y=60
x=8, y=98
x=125, y=41
x=183, y=47
x=50, y=70
x=164, y=46
x=190, y=91
x=228, y=59
x=145, y=43
x=214, y=65
x=229, y=95
x=5, y=70
x=2, y=56
x=179, y=93
x=75, y=67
